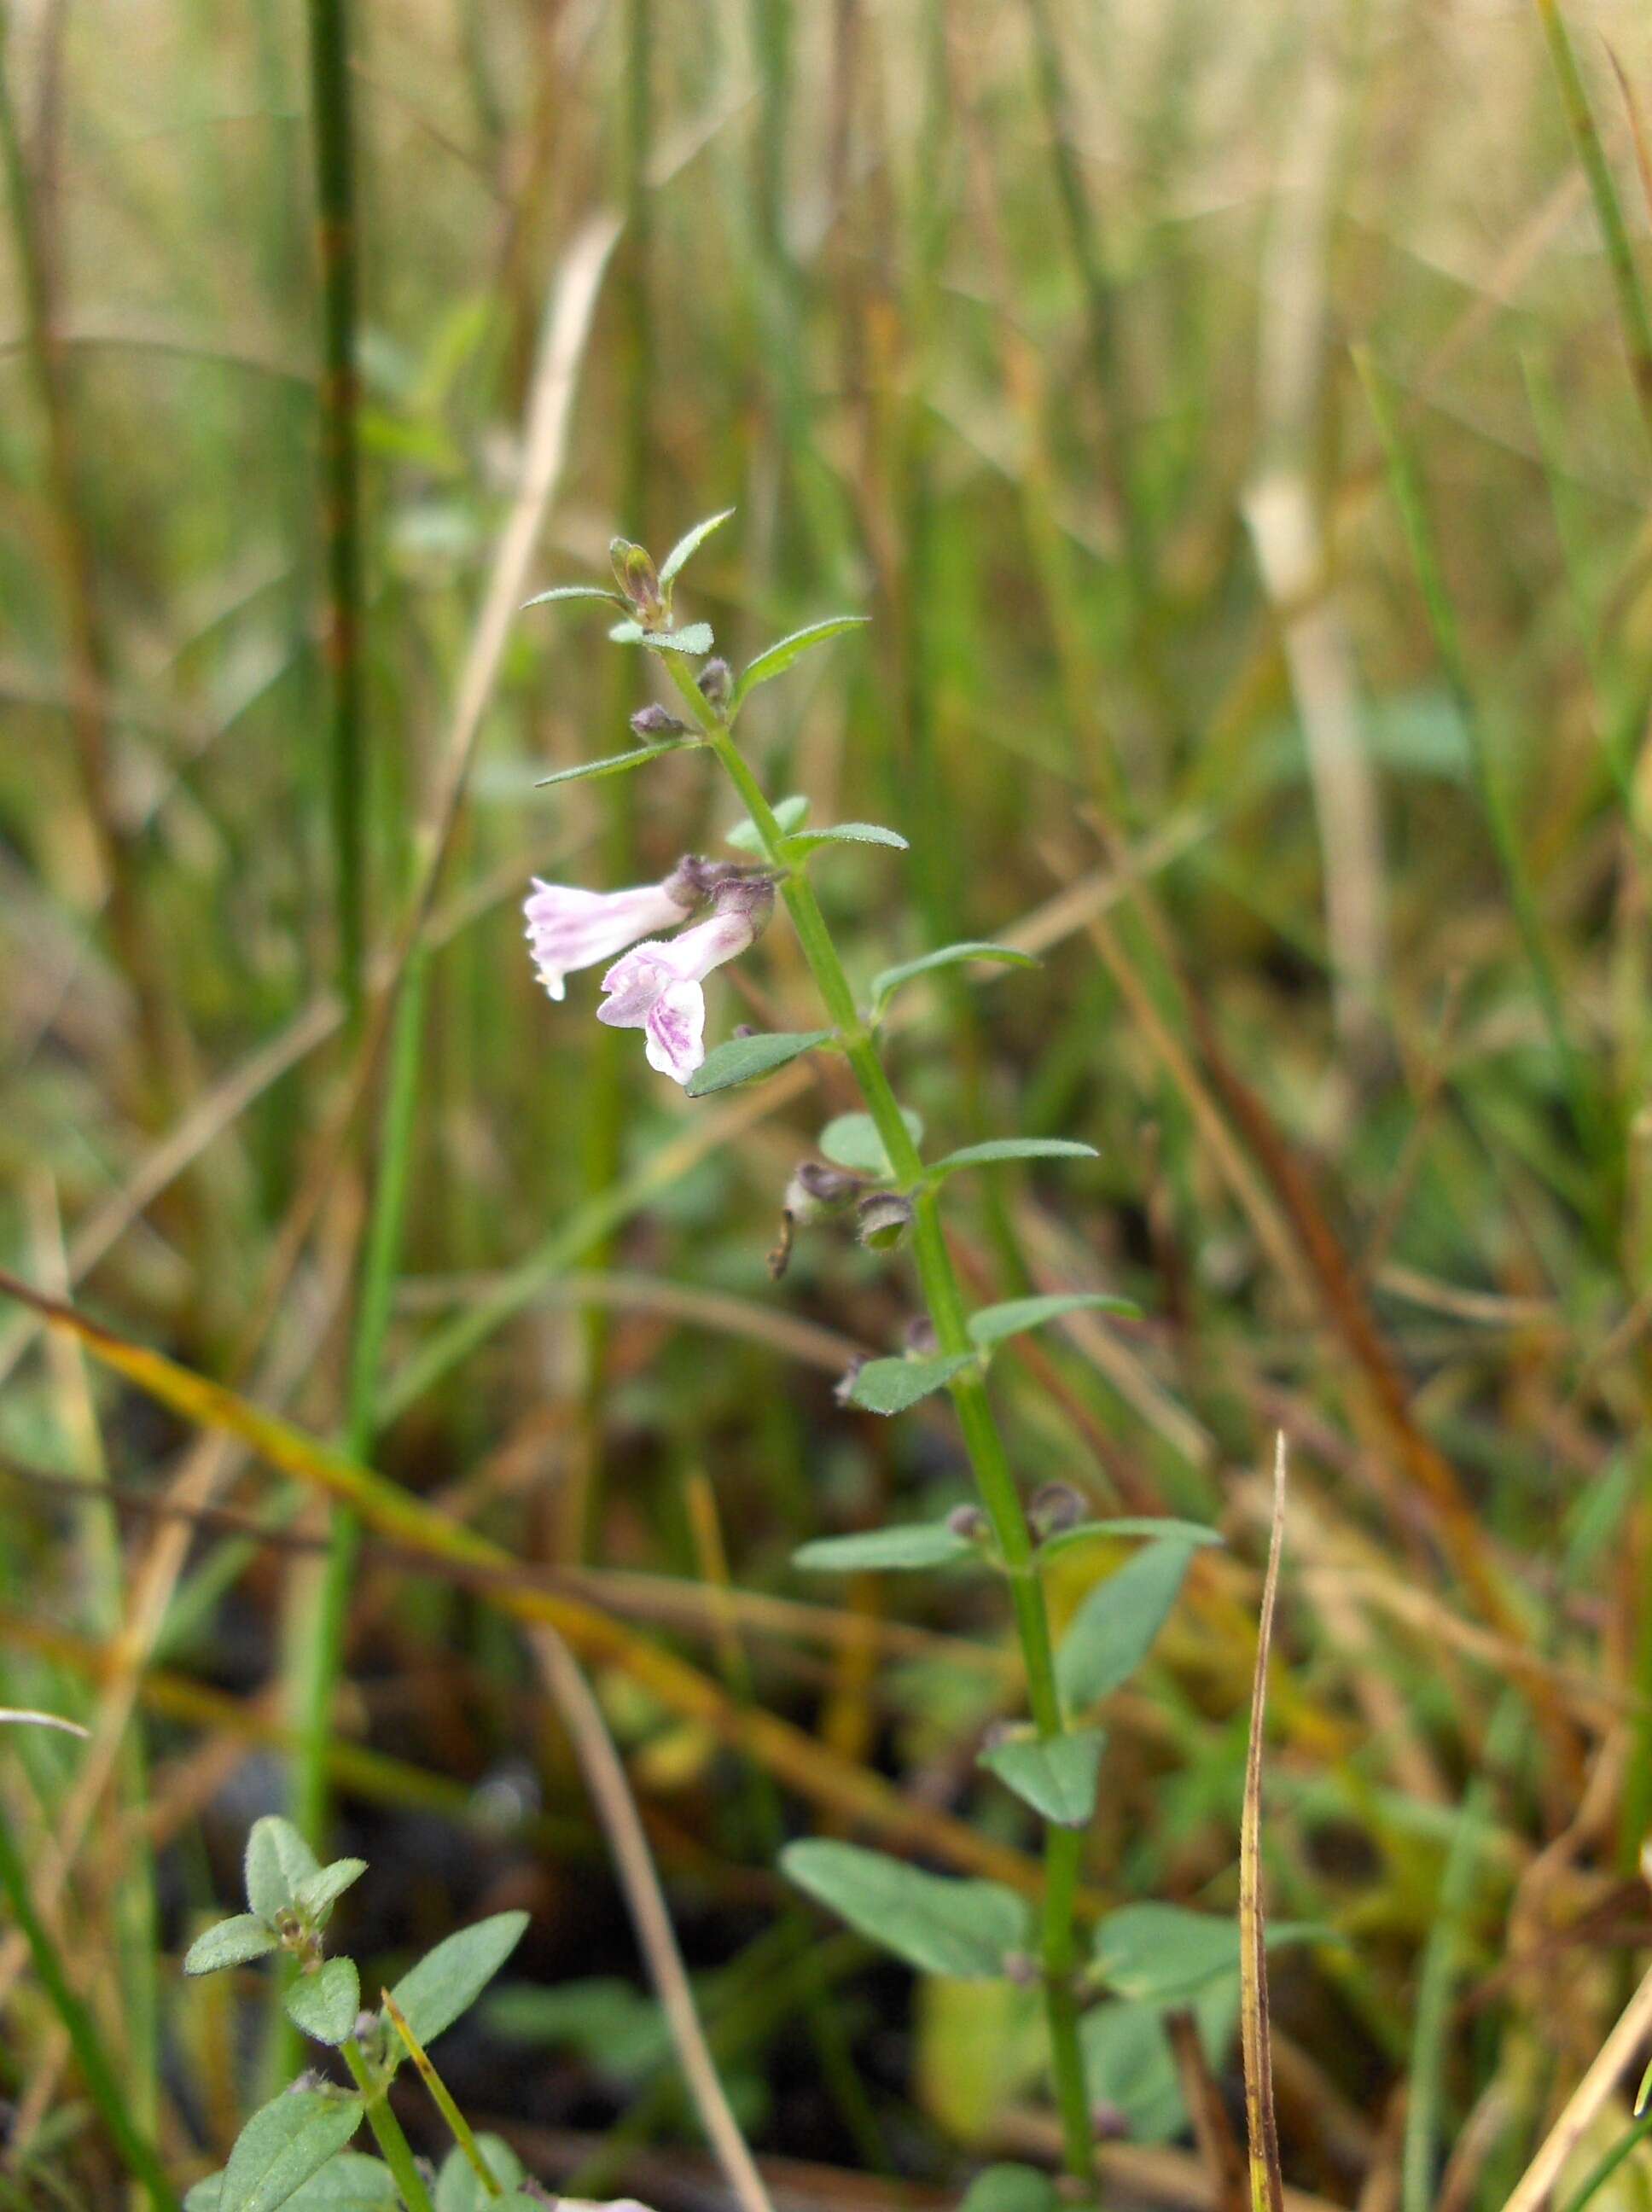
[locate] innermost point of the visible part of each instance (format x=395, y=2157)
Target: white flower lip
x=570, y=928
x=656, y=988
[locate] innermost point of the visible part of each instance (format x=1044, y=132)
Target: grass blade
x=1267, y=2182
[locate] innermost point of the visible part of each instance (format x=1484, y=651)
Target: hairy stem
x=988, y=1459
x=387, y=2132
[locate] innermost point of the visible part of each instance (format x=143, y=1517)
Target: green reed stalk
x=139, y=2153
x=988, y=1459
x=320, y=1656
x=340, y=492
x=602, y=1091
x=1608, y=208
x=1443, y=622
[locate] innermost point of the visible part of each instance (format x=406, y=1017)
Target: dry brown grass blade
x=1218, y=2146
x=1267, y=2181
x=610, y=1793
x=790, y=1755
x=1533, y=2189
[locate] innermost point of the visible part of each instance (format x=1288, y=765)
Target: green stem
x=341, y=499
x=321, y=1657
x=988, y=1459
x=140, y=2155
x=1608, y=210
x=387, y=2133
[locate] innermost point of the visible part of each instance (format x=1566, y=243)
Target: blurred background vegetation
x=1234, y=421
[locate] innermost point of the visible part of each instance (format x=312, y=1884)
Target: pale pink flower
x=656, y=986
x=570, y=928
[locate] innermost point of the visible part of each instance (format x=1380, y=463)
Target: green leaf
x=324, y=2005
x=618, y=763
x=745, y=836
x=690, y=544
x=845, y=833
x=277, y=1860
x=1165, y=1953
x=1134, y=1524
x=742, y=1060
x=1129, y=2063
x=693, y=637
x=1009, y=2189
x=1011, y=1148
x=993, y=1323
x=284, y=2144
x=573, y=591
x=1056, y=1776
x=458, y=2185
x=1113, y=1629
x=609, y=2022
x=776, y=658
x=937, y=1924
x=850, y=1141
x=347, y=2183
x=229, y=1943
x=317, y=1897
x=890, y=1386
x=885, y=987
x=449, y=1980
x=919, y=1544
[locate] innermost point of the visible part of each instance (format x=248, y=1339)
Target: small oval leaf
x=286, y=2142
x=460, y=2188
x=693, y=638
x=449, y=1980
x=852, y=1141
x=742, y=1060
x=324, y=2005
x=937, y=1924
x=885, y=987
x=689, y=544
x=572, y=592
x=746, y=837
x=1129, y=1524
x=993, y=1323
x=229, y=1943
x=618, y=763
x=776, y=658
x=845, y=833
x=920, y=1544
x=1056, y=1776
x=1009, y=2188
x=890, y=1386
x=1113, y=1629
x=1011, y=1148
x=316, y=1898
x=277, y=1860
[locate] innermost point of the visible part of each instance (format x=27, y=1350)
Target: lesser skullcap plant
x=873, y=1167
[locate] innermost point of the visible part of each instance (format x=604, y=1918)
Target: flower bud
x=1022, y=1969
x=1110, y=2122
x=1055, y=1507
x=969, y=1523
x=654, y=723
x=818, y=1186
x=636, y=576
x=882, y=1219
x=751, y=897
x=716, y=681
x=920, y=1336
